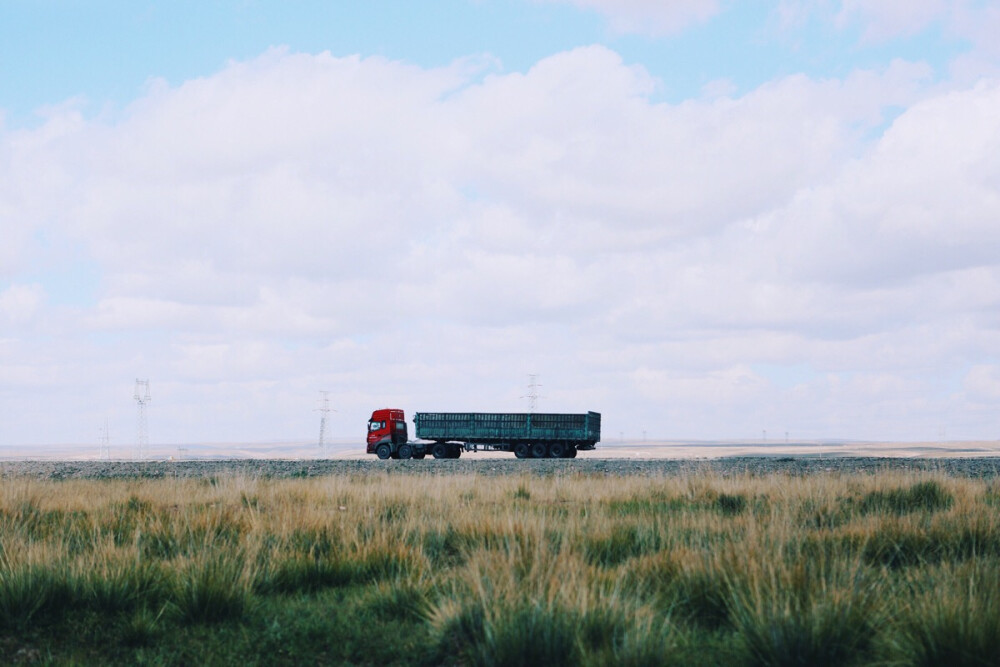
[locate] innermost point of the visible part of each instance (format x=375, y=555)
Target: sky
x=705, y=219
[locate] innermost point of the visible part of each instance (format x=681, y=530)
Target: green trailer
x=527, y=435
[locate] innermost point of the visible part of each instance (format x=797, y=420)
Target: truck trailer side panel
x=491, y=428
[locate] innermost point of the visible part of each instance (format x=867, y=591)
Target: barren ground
x=587, y=464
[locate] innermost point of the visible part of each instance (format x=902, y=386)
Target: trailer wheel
x=571, y=453
x=419, y=456
x=557, y=450
x=522, y=450
x=383, y=451
x=439, y=450
x=405, y=451
x=456, y=453
x=539, y=450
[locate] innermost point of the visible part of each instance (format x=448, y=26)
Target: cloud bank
x=815, y=256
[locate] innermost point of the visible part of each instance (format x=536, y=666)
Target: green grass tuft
x=525, y=633
x=211, y=590
x=927, y=496
x=781, y=624
x=119, y=586
x=304, y=574
x=731, y=504
x=31, y=593
x=957, y=624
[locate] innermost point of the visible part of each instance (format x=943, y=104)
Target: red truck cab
x=387, y=427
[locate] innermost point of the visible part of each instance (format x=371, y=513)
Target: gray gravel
x=277, y=468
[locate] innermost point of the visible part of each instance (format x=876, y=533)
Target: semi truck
x=445, y=435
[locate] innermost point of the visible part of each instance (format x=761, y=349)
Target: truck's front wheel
x=383, y=451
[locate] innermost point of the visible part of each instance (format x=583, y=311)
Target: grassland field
x=783, y=565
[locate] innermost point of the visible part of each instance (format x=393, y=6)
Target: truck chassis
x=453, y=450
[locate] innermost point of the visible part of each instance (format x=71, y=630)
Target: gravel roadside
x=281, y=468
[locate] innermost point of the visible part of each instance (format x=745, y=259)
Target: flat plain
x=773, y=560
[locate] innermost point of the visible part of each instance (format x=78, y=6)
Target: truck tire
x=439, y=450
x=456, y=452
x=383, y=451
x=419, y=455
x=571, y=452
x=539, y=450
x=522, y=450
x=405, y=451
x=557, y=450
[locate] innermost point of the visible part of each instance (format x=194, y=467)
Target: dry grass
x=499, y=571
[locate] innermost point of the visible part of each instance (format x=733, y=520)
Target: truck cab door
x=377, y=432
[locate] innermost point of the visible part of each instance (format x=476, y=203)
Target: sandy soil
x=688, y=450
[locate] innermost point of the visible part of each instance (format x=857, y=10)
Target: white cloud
x=982, y=383
x=879, y=21
x=887, y=18
x=429, y=236
x=738, y=383
x=925, y=201
x=20, y=303
x=651, y=17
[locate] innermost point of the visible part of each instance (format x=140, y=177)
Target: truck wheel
x=405, y=451
x=539, y=450
x=383, y=451
x=557, y=450
x=571, y=453
x=522, y=450
x=419, y=456
x=456, y=453
x=439, y=450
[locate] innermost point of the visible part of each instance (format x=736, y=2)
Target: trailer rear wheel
x=383, y=451
x=522, y=450
x=405, y=451
x=557, y=450
x=539, y=450
x=571, y=453
x=439, y=450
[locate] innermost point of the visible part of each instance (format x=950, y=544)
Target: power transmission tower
x=532, y=394
x=142, y=399
x=105, y=442
x=323, y=410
